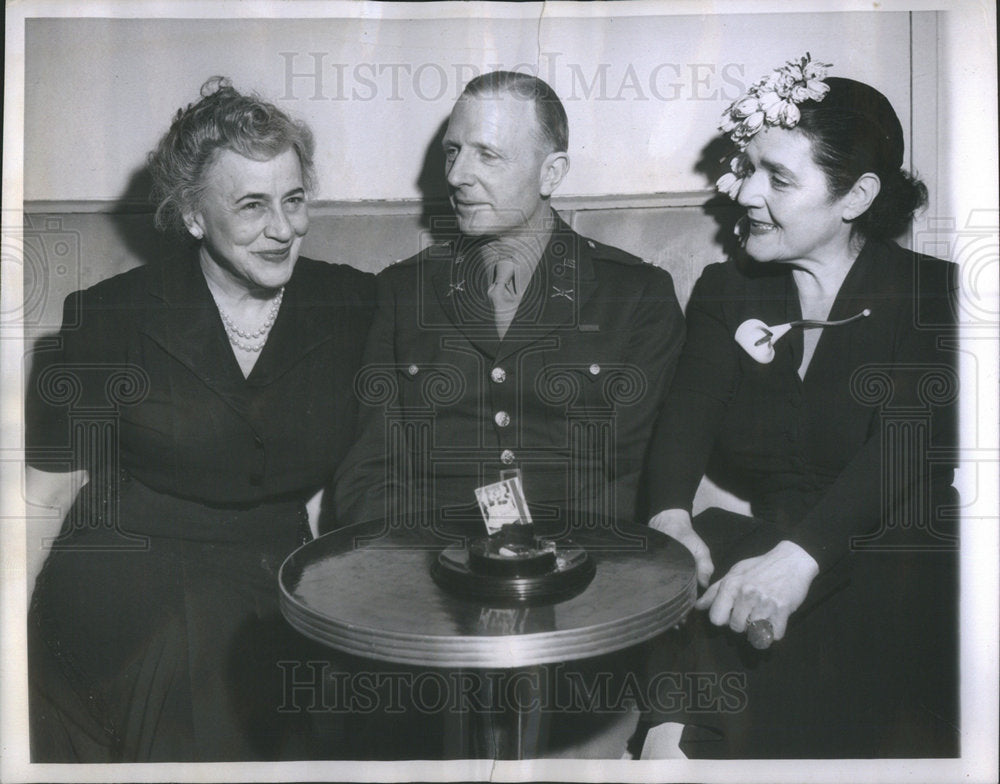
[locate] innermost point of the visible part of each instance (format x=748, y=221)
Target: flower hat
x=773, y=101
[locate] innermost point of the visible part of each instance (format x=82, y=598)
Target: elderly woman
x=818, y=375
x=154, y=625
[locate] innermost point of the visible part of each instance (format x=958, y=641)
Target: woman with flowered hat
x=818, y=373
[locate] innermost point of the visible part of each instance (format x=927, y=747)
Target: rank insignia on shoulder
x=441, y=250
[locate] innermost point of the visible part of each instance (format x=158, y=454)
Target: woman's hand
x=771, y=586
x=676, y=523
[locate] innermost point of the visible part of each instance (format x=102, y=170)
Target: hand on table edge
x=676, y=523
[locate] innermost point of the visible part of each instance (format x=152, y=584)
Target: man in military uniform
x=518, y=345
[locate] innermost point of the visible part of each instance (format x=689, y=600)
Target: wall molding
x=322, y=207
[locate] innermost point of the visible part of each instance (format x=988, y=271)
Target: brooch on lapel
x=758, y=339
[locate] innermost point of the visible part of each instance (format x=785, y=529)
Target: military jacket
x=568, y=397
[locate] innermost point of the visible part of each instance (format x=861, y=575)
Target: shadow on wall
x=436, y=215
x=712, y=164
x=139, y=237
x=100, y=245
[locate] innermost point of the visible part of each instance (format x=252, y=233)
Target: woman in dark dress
x=840, y=432
x=207, y=399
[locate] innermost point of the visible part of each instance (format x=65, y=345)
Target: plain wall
x=643, y=93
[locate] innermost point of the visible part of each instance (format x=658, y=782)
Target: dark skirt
x=161, y=639
x=867, y=668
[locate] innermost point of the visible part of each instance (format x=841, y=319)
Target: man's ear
x=861, y=195
x=195, y=224
x=554, y=168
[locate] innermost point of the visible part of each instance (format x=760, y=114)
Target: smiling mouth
x=760, y=227
x=274, y=255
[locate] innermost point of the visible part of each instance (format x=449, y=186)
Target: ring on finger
x=760, y=633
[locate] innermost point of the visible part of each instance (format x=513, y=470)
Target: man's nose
x=459, y=171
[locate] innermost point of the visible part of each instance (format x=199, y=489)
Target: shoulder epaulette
x=599, y=250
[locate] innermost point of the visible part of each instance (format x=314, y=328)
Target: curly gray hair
x=223, y=119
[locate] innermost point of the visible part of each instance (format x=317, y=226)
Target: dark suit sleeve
x=707, y=373
x=654, y=345
x=658, y=335
x=365, y=475
x=923, y=378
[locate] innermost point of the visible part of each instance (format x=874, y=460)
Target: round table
x=367, y=590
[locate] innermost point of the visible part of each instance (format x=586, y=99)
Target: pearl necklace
x=235, y=333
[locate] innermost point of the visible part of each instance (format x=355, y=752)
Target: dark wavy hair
x=548, y=108
x=855, y=130
x=224, y=119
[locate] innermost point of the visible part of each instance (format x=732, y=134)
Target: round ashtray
x=510, y=559
x=503, y=574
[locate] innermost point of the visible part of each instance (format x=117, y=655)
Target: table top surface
x=367, y=590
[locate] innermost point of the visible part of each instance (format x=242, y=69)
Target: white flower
x=800, y=93
x=728, y=124
x=753, y=123
x=730, y=185
x=744, y=107
x=749, y=335
x=758, y=339
x=794, y=71
x=769, y=99
x=790, y=115
x=817, y=89
x=773, y=99
x=812, y=90
x=783, y=84
x=813, y=70
x=775, y=112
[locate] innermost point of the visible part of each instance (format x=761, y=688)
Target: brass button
x=506, y=457
x=595, y=369
x=498, y=374
x=502, y=418
x=413, y=370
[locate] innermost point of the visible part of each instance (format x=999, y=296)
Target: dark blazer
x=812, y=454
x=148, y=348
x=151, y=633
x=853, y=463
x=568, y=397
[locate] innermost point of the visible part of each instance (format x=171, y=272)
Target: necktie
x=503, y=293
